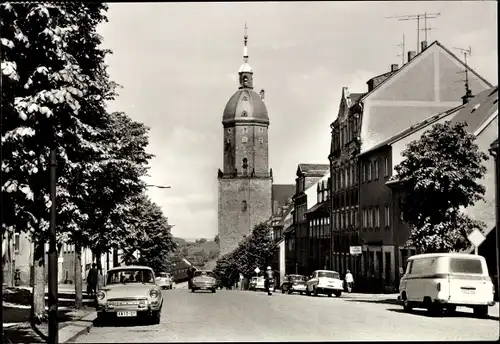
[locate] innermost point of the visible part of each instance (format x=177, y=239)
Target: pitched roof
x=318, y=206
x=405, y=66
x=414, y=128
x=355, y=97
x=478, y=110
x=313, y=169
x=281, y=193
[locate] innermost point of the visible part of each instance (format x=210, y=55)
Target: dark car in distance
x=294, y=284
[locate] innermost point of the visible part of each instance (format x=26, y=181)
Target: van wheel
x=481, y=311
x=315, y=291
x=451, y=308
x=406, y=304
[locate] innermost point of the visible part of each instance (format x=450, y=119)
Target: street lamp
x=158, y=186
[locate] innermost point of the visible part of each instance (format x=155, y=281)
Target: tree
x=253, y=251
x=151, y=235
x=438, y=178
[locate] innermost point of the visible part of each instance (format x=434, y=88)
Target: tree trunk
x=9, y=260
x=115, y=258
x=78, y=277
x=39, y=280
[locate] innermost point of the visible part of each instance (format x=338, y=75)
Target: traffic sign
x=476, y=237
x=257, y=270
x=355, y=250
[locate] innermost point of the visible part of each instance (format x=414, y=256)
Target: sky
x=177, y=64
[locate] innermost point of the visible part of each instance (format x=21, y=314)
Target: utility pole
x=402, y=45
x=417, y=17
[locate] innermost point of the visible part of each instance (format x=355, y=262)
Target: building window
x=352, y=175
x=244, y=114
x=347, y=181
x=369, y=171
x=377, y=217
x=375, y=167
x=387, y=268
x=387, y=216
x=386, y=167
x=363, y=174
x=228, y=140
x=229, y=130
x=356, y=218
x=370, y=217
x=17, y=243
x=244, y=206
x=244, y=139
x=341, y=180
x=365, y=218
x=261, y=130
x=353, y=217
x=261, y=140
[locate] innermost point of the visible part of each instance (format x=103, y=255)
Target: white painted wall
x=312, y=191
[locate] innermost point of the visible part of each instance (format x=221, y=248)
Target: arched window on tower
x=244, y=165
x=243, y=205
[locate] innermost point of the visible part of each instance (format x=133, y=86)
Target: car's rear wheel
x=290, y=291
x=330, y=294
x=282, y=290
x=481, y=311
x=193, y=290
x=338, y=293
x=214, y=290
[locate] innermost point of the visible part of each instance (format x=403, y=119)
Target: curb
x=78, y=327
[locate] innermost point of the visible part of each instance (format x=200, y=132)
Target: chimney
x=411, y=55
x=394, y=67
x=262, y=94
x=423, y=45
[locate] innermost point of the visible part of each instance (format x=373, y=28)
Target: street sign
x=476, y=237
x=136, y=254
x=355, y=250
x=257, y=270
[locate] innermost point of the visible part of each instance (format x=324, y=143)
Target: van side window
x=408, y=267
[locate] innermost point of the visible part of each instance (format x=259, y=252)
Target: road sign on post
x=257, y=270
x=476, y=238
x=355, y=250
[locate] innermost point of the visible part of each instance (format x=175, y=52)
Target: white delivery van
x=446, y=280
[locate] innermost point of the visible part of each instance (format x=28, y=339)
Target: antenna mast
x=402, y=45
x=417, y=17
x=466, y=52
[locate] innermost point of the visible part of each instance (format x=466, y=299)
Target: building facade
x=395, y=100
x=384, y=233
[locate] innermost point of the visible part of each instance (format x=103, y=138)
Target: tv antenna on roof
x=417, y=17
x=466, y=52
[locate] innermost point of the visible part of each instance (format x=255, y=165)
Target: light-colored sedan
x=164, y=281
x=130, y=292
x=325, y=282
x=203, y=280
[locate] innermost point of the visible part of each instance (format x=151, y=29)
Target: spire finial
x=245, y=49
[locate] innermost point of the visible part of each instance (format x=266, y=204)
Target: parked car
x=325, y=282
x=253, y=283
x=294, y=284
x=130, y=292
x=164, y=280
x=203, y=280
x=446, y=280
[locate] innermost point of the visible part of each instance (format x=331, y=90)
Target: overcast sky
x=178, y=62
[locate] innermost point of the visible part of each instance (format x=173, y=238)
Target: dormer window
x=244, y=206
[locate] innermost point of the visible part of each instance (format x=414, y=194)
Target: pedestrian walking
x=92, y=279
x=349, y=281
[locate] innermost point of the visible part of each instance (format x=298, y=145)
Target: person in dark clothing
x=92, y=280
x=269, y=279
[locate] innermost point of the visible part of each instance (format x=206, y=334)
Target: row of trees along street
x=55, y=88
x=255, y=250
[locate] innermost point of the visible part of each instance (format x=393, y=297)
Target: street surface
x=232, y=315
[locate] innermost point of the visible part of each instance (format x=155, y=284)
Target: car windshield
x=297, y=278
x=204, y=273
x=163, y=274
x=254, y=279
x=466, y=266
x=130, y=276
x=329, y=274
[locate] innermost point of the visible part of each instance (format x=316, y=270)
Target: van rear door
x=469, y=282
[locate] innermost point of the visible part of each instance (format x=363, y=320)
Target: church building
x=245, y=182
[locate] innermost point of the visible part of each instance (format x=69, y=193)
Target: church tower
x=245, y=183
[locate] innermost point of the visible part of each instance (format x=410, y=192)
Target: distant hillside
x=199, y=252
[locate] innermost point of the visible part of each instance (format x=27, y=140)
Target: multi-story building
x=308, y=175
x=395, y=100
x=384, y=233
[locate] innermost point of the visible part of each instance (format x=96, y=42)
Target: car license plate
x=468, y=291
x=127, y=314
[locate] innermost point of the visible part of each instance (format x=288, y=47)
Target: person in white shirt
x=349, y=280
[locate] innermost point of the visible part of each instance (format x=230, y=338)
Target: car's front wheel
x=155, y=317
x=214, y=290
x=193, y=290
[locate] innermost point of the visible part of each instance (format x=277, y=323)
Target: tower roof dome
x=245, y=105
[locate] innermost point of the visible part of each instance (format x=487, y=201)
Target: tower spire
x=245, y=48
